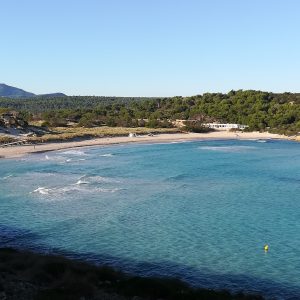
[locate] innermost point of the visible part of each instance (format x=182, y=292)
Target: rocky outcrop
x=12, y=119
x=13, y=126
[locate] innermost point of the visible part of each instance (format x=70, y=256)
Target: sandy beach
x=17, y=151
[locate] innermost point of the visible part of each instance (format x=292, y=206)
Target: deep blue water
x=201, y=211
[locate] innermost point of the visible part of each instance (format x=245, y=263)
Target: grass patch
x=6, y=139
x=69, y=133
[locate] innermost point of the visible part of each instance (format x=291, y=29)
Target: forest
x=259, y=110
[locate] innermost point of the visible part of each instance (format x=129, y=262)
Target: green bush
x=197, y=127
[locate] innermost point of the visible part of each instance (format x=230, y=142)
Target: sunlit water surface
x=201, y=211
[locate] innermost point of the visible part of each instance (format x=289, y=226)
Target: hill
x=13, y=92
x=261, y=111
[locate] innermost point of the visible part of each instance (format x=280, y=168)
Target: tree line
x=259, y=110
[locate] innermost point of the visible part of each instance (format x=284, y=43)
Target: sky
x=150, y=47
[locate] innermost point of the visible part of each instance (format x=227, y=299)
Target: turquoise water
x=201, y=211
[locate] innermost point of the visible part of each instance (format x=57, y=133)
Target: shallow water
x=201, y=211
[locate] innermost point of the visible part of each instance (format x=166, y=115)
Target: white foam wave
x=180, y=142
x=63, y=159
x=59, y=159
x=68, y=160
x=100, y=179
x=42, y=190
x=81, y=186
x=50, y=187
x=83, y=189
x=107, y=155
x=227, y=148
x=74, y=152
x=108, y=190
x=69, y=189
x=6, y=177
x=79, y=182
x=55, y=191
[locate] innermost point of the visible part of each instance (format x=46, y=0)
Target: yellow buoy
x=266, y=247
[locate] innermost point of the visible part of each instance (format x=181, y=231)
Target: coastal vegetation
x=30, y=276
x=277, y=113
x=6, y=139
x=71, y=133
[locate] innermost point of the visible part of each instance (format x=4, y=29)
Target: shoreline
x=19, y=151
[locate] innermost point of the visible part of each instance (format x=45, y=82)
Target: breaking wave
x=74, y=152
x=63, y=159
x=228, y=148
x=6, y=177
x=84, y=185
x=79, y=182
x=261, y=141
x=58, y=158
x=97, y=179
x=61, y=191
x=42, y=190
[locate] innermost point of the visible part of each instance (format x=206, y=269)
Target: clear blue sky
x=150, y=47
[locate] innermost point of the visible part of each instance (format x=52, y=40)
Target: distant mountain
x=13, y=92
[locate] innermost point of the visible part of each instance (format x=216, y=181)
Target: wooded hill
x=259, y=110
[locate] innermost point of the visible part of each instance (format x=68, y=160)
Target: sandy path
x=18, y=151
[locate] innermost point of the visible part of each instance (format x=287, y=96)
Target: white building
x=131, y=135
x=226, y=126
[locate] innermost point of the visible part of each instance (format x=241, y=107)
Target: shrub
x=197, y=127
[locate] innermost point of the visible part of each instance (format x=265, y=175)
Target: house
x=225, y=126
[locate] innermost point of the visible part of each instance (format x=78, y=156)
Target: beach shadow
x=25, y=240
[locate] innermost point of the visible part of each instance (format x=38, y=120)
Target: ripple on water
x=167, y=210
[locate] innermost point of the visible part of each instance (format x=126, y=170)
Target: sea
x=201, y=211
